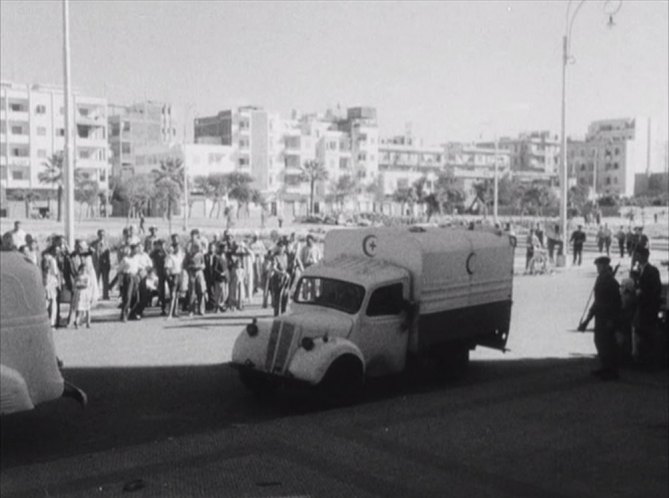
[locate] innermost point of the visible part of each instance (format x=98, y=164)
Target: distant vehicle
x=29, y=371
x=381, y=297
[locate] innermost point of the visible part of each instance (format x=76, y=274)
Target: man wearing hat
x=150, y=240
x=606, y=311
x=648, y=293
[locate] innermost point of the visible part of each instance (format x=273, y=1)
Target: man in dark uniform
x=606, y=311
x=648, y=293
x=578, y=239
x=102, y=262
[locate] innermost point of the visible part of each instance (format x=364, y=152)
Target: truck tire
x=257, y=384
x=342, y=383
x=455, y=360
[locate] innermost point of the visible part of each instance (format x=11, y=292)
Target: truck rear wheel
x=342, y=383
x=455, y=360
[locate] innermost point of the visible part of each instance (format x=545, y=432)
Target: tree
x=312, y=172
x=342, y=188
x=239, y=188
x=26, y=195
x=448, y=191
x=404, y=195
x=140, y=190
x=538, y=197
x=53, y=175
x=578, y=197
x=86, y=191
x=169, y=179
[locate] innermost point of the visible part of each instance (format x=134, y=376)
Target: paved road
x=167, y=415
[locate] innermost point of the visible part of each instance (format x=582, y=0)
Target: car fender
x=310, y=366
x=14, y=395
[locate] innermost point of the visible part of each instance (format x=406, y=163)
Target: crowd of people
x=194, y=277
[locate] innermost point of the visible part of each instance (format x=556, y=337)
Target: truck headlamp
x=307, y=343
x=252, y=329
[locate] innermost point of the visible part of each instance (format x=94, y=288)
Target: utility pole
x=496, y=184
x=68, y=152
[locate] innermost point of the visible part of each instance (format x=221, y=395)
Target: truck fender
x=310, y=366
x=14, y=395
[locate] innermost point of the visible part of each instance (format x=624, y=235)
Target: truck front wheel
x=257, y=384
x=342, y=383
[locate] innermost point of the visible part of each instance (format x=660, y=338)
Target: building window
x=17, y=175
x=16, y=107
x=617, y=151
x=126, y=125
x=41, y=131
x=17, y=130
x=18, y=152
x=40, y=109
x=83, y=111
x=115, y=129
x=60, y=132
x=608, y=180
x=343, y=163
x=243, y=161
x=615, y=165
x=41, y=153
x=125, y=148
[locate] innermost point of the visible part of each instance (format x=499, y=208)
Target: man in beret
x=606, y=310
x=648, y=293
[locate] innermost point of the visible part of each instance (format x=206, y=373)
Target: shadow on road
x=129, y=406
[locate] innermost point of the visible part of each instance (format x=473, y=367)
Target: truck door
x=384, y=331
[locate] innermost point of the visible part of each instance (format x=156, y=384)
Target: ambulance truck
x=381, y=298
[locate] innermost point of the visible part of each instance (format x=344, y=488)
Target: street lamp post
x=68, y=152
x=611, y=7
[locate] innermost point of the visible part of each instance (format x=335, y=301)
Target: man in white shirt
x=18, y=236
x=128, y=272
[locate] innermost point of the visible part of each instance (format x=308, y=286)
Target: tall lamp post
x=68, y=153
x=611, y=7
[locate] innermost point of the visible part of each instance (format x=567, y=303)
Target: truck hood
x=318, y=322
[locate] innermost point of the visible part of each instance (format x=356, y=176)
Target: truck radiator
x=278, y=347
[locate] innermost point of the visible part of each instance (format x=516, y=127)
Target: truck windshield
x=337, y=294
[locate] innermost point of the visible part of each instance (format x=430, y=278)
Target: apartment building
x=32, y=129
x=136, y=126
x=404, y=159
x=613, y=152
x=472, y=163
x=533, y=152
x=255, y=138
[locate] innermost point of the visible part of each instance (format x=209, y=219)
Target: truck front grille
x=278, y=346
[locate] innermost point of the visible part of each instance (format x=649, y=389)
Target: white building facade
x=32, y=130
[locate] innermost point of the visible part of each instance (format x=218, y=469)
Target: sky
x=454, y=70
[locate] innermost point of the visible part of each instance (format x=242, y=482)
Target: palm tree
x=312, y=172
x=53, y=175
x=169, y=180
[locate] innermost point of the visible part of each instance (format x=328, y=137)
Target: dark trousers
x=607, y=349
x=103, y=280
x=578, y=254
x=143, y=298
x=162, y=282
x=129, y=284
x=621, y=248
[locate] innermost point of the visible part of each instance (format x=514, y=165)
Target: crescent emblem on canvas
x=471, y=263
x=369, y=245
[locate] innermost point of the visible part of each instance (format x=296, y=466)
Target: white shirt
x=174, y=263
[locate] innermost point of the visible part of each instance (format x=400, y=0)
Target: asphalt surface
x=168, y=417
